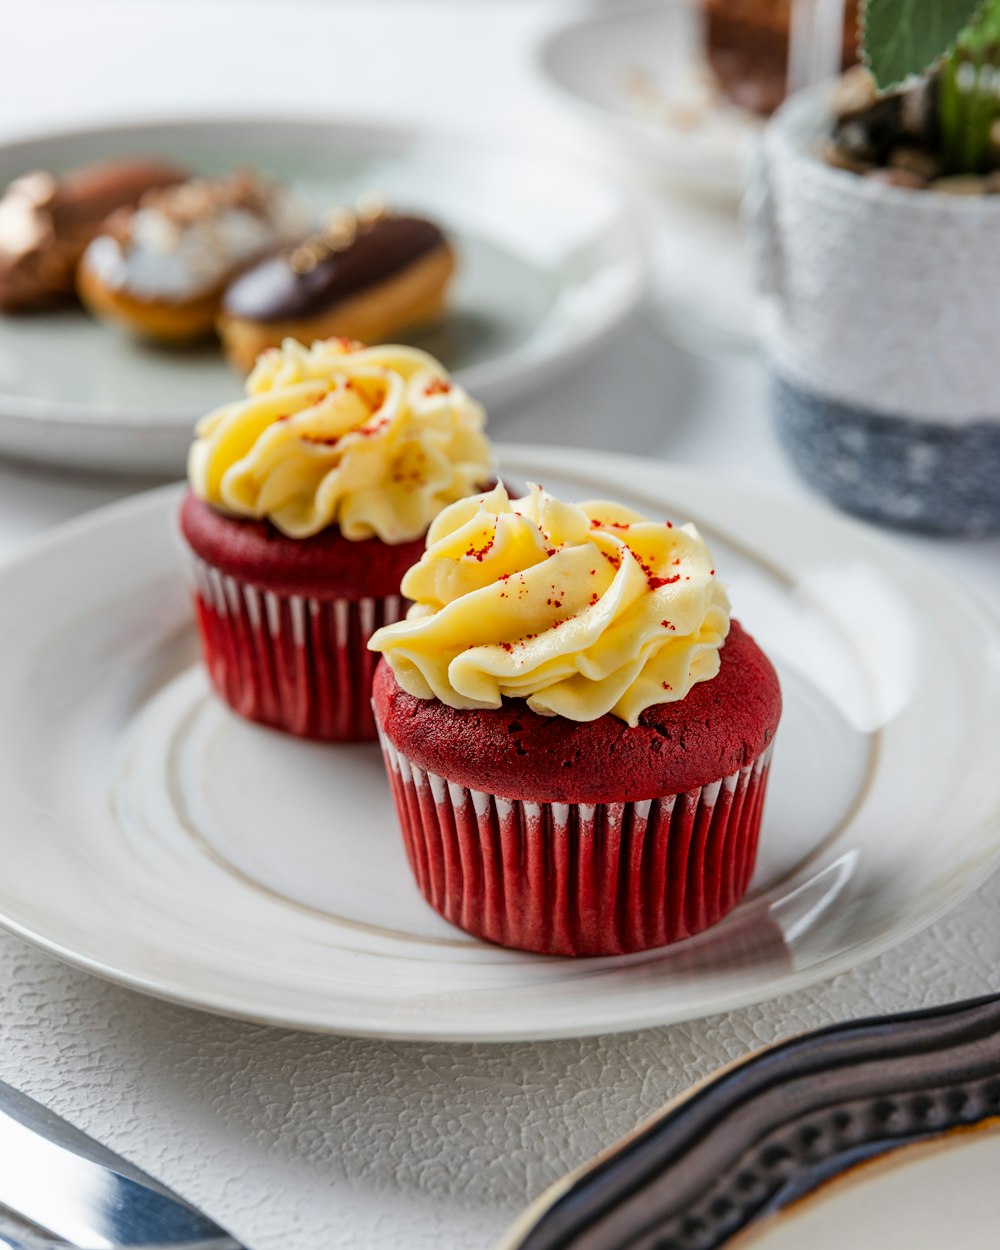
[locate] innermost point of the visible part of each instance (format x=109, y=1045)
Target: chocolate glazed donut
x=364, y=281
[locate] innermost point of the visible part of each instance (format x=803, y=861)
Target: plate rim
x=506, y=376
x=554, y=458
x=888, y=1057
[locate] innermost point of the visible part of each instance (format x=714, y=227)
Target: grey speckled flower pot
x=881, y=332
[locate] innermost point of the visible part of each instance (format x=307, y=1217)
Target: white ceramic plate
x=150, y=836
x=874, y=1133
x=550, y=263
x=941, y=1193
x=636, y=76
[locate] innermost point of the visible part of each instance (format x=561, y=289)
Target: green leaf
x=901, y=38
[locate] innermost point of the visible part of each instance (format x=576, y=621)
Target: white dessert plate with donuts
x=549, y=262
x=152, y=837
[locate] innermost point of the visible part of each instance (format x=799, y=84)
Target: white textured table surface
x=296, y=1141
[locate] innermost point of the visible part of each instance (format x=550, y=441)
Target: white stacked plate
x=152, y=837
x=550, y=263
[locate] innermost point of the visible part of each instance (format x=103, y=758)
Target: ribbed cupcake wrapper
x=579, y=879
x=288, y=661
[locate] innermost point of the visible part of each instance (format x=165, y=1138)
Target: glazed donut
x=46, y=224
x=159, y=270
x=367, y=277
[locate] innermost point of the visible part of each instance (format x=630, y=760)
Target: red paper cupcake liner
x=579, y=879
x=288, y=661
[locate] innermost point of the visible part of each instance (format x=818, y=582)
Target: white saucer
x=636, y=77
x=934, y=1193
x=150, y=836
x=550, y=263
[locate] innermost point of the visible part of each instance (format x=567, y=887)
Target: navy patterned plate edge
x=764, y=1132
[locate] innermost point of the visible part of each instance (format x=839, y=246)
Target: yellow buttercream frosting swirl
x=581, y=609
x=376, y=440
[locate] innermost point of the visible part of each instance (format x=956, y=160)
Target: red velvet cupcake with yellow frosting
x=576, y=734
x=308, y=501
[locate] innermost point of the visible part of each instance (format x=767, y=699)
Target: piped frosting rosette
x=309, y=500
x=375, y=440
x=580, y=609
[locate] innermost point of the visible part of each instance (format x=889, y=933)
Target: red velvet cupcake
x=309, y=500
x=577, y=737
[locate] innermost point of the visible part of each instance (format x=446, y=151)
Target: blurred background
x=486, y=69
x=662, y=100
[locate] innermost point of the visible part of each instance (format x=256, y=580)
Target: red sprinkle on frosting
x=479, y=553
x=372, y=427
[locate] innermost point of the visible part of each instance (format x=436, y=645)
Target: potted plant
x=876, y=216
